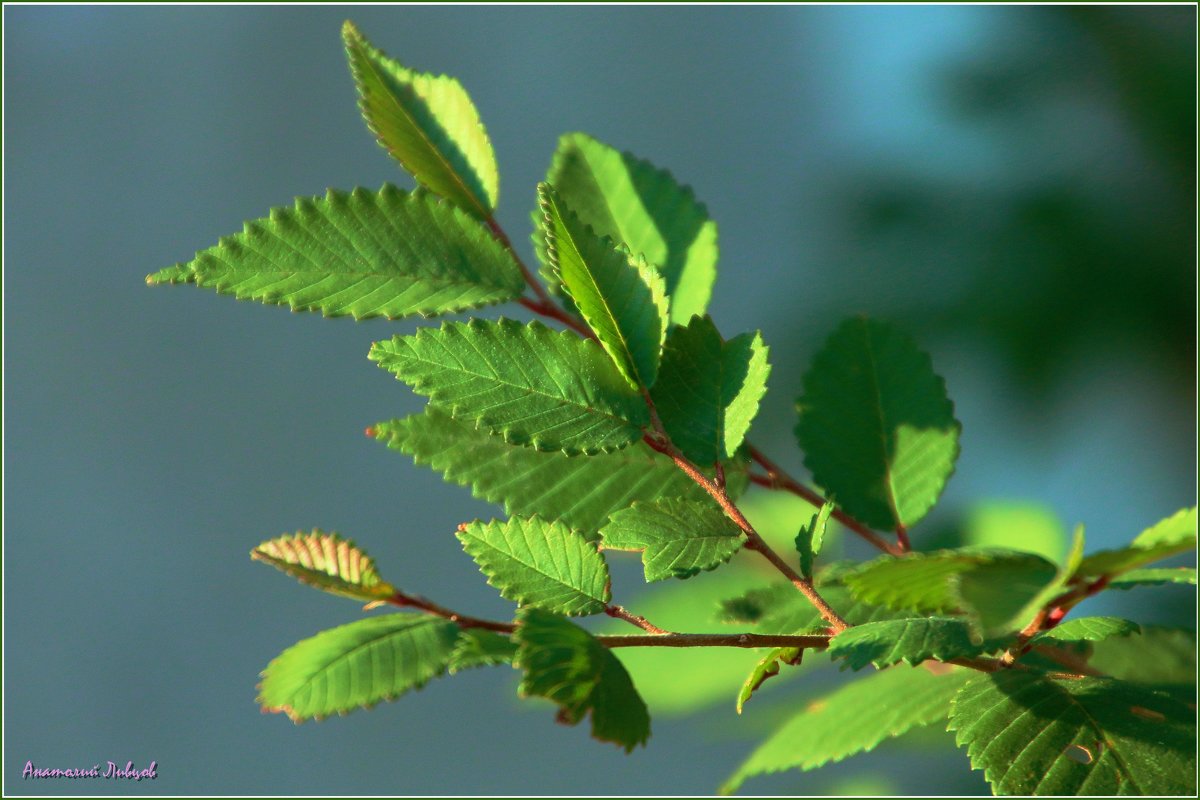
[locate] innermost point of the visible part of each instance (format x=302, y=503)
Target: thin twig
x=716, y=640
x=462, y=620
x=618, y=612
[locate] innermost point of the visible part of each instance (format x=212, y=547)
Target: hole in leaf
x=1146, y=713
x=1080, y=754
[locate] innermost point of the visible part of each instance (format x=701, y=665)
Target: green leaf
x=621, y=298
x=1028, y=527
x=811, y=537
x=363, y=254
x=1173, y=535
x=768, y=667
x=1154, y=577
x=427, y=123
x=357, y=665
x=566, y=664
x=909, y=640
x=580, y=492
x=539, y=564
x=477, y=647
x=632, y=202
x=993, y=586
x=876, y=426
x=853, y=719
x=708, y=389
x=1157, y=656
x=1034, y=735
x=678, y=538
x=328, y=562
x=534, y=386
x=1088, y=629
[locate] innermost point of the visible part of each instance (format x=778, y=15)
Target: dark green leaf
x=634, y=203
x=1034, y=735
x=534, y=386
x=621, y=298
x=853, y=719
x=876, y=426
x=361, y=254
x=910, y=640
x=539, y=564
x=678, y=538
x=811, y=537
x=708, y=389
x=357, y=665
x=566, y=664
x=427, y=123
x=327, y=562
x=581, y=492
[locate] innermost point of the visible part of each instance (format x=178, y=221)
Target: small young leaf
x=876, y=426
x=327, y=562
x=853, y=719
x=580, y=492
x=619, y=296
x=566, y=664
x=1154, y=577
x=550, y=390
x=910, y=640
x=1173, y=535
x=678, y=538
x=539, y=564
x=357, y=665
x=361, y=254
x=427, y=123
x=811, y=537
x=1088, y=629
x=481, y=648
x=634, y=203
x=1034, y=735
x=768, y=667
x=708, y=389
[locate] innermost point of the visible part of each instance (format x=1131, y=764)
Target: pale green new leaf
x=708, y=389
x=357, y=665
x=539, y=564
x=811, y=537
x=634, y=203
x=477, y=647
x=427, y=123
x=877, y=429
x=621, y=298
x=853, y=719
x=326, y=561
x=1173, y=535
x=1034, y=735
x=581, y=492
x=1154, y=577
x=550, y=390
x=909, y=640
x=678, y=538
x=1088, y=629
x=566, y=664
x=387, y=254
x=768, y=667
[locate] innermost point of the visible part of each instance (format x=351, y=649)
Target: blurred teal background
x=1015, y=185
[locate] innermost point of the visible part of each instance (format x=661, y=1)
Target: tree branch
x=618, y=612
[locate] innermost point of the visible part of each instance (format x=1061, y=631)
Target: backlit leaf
x=877, y=429
x=427, y=123
x=327, y=562
x=1173, y=535
x=910, y=640
x=1088, y=629
x=539, y=564
x=357, y=665
x=387, y=254
x=678, y=538
x=550, y=390
x=477, y=647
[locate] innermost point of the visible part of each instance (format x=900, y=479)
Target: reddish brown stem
x=902, y=539
x=618, y=612
x=555, y=313
x=462, y=620
x=716, y=640
x=776, y=478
